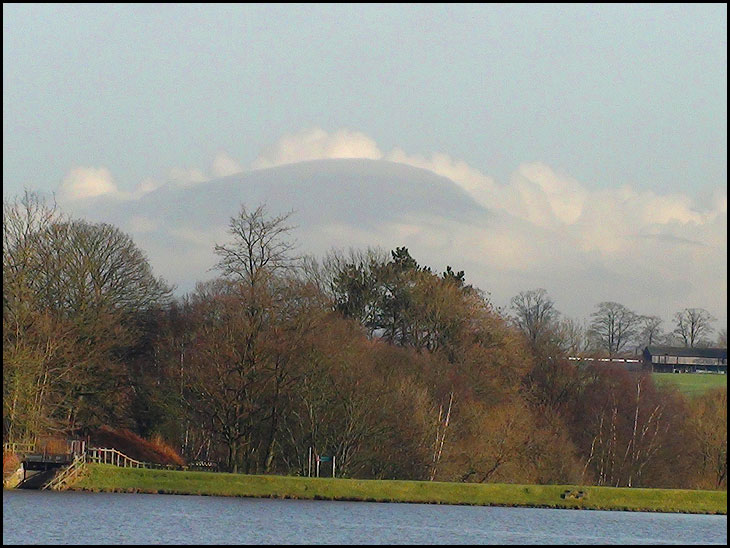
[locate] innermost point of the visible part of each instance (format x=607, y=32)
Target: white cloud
x=561, y=198
x=87, y=182
x=317, y=144
x=646, y=249
x=604, y=221
x=187, y=176
x=147, y=185
x=224, y=165
x=666, y=209
x=481, y=187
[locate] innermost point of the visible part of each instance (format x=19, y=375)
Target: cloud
x=199, y=236
x=87, y=182
x=607, y=221
x=187, y=176
x=140, y=224
x=224, y=165
x=317, y=144
x=666, y=209
x=479, y=186
x=655, y=252
x=603, y=221
x=547, y=198
x=147, y=185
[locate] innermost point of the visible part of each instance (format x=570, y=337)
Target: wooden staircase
x=70, y=465
x=67, y=475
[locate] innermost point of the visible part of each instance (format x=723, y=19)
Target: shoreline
x=108, y=478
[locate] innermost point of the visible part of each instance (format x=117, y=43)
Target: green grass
x=108, y=478
x=692, y=384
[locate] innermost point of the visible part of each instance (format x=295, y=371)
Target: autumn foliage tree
x=394, y=369
x=73, y=294
x=708, y=421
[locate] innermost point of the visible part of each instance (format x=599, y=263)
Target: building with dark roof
x=672, y=359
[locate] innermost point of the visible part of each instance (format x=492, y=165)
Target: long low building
x=672, y=359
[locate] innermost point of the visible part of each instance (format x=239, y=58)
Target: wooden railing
x=73, y=447
x=100, y=455
x=68, y=474
x=19, y=447
x=112, y=456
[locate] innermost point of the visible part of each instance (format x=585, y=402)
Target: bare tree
x=23, y=220
x=613, y=327
x=693, y=326
x=259, y=249
x=441, y=428
x=239, y=367
x=220, y=384
x=570, y=336
x=645, y=439
x=650, y=330
x=708, y=417
x=534, y=313
x=628, y=424
x=96, y=267
x=72, y=292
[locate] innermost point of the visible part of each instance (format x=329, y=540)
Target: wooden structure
x=40, y=459
x=67, y=474
x=117, y=458
x=672, y=359
x=18, y=448
x=45, y=470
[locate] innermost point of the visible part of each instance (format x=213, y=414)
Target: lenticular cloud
x=657, y=253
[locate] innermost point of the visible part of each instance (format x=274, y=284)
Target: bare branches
x=694, y=325
x=441, y=428
x=613, y=327
x=259, y=249
x=72, y=293
x=534, y=314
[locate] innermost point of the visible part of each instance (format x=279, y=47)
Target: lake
x=40, y=517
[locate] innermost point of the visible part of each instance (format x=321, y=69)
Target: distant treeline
x=397, y=371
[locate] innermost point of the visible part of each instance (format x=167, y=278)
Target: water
x=33, y=517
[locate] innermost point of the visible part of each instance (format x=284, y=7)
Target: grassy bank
x=692, y=384
x=112, y=479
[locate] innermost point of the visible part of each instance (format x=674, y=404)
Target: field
x=692, y=384
x=100, y=477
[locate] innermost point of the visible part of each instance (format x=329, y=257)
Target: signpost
x=319, y=459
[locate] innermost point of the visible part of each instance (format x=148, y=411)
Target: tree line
x=613, y=329
x=397, y=370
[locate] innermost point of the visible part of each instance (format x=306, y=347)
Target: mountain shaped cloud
x=539, y=229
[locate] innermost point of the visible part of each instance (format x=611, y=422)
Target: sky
x=600, y=122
